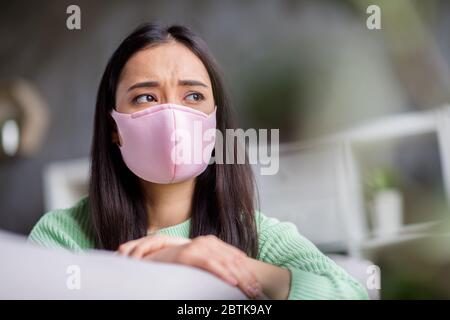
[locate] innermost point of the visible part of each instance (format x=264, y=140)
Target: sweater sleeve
x=66, y=228
x=313, y=275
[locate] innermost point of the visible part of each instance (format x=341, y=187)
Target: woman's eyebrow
x=192, y=83
x=146, y=84
x=152, y=84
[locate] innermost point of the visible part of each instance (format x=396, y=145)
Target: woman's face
x=165, y=73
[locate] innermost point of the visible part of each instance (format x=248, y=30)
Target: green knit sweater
x=313, y=275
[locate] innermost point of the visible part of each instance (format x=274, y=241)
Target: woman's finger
x=126, y=247
x=153, y=244
x=197, y=254
x=233, y=259
x=247, y=282
x=218, y=269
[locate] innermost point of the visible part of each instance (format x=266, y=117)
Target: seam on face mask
x=170, y=106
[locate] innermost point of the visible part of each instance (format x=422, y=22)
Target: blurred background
x=363, y=116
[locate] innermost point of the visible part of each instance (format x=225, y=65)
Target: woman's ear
x=115, y=136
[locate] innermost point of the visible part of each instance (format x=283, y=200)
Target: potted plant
x=386, y=202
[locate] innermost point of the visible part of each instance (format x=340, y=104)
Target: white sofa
x=31, y=272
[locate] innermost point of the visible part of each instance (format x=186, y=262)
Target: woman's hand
x=205, y=252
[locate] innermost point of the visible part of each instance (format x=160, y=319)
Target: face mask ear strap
x=214, y=111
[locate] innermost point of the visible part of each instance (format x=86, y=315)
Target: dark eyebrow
x=146, y=84
x=192, y=83
x=152, y=84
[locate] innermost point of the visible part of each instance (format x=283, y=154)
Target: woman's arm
x=275, y=281
x=205, y=252
x=68, y=228
x=288, y=266
x=312, y=274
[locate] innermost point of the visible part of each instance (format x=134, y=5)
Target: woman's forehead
x=167, y=61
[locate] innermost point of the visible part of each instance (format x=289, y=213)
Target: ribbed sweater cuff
x=309, y=286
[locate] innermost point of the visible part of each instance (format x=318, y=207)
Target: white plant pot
x=387, y=212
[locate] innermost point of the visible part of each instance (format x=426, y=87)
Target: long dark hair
x=224, y=194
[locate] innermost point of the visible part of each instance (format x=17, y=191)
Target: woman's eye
x=144, y=98
x=195, y=96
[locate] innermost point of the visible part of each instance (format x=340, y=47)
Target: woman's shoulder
x=70, y=228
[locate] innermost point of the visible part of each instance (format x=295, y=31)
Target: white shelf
x=407, y=233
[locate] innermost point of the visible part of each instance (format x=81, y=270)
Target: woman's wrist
x=275, y=281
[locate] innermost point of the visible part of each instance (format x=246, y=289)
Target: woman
x=146, y=206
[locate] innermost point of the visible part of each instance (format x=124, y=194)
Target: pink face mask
x=166, y=143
